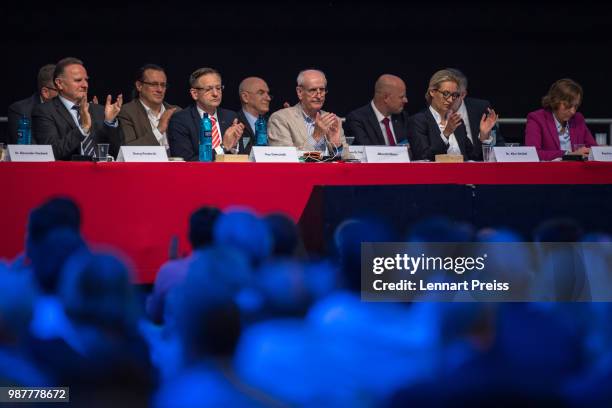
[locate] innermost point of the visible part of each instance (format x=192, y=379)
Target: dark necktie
x=389, y=133
x=87, y=142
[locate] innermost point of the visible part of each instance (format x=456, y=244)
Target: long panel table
x=139, y=207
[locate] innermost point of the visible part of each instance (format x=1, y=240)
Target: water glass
x=488, y=154
x=102, y=151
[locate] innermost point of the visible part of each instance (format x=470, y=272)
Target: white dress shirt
x=154, y=119
x=451, y=142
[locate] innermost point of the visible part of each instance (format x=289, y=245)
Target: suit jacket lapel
x=247, y=137
x=63, y=112
x=144, y=123
x=474, y=118
x=195, y=115
x=298, y=124
x=373, y=121
x=552, y=128
x=462, y=139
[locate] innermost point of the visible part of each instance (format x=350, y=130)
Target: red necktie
x=389, y=133
x=216, y=139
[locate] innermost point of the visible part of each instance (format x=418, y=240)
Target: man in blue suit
x=184, y=127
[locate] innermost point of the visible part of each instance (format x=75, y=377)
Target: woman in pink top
x=557, y=128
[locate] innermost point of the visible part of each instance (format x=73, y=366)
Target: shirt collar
x=435, y=114
x=379, y=116
x=250, y=118
x=150, y=111
x=307, y=118
x=68, y=104
x=201, y=113
x=557, y=123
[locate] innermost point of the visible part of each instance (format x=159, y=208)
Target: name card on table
x=516, y=154
x=274, y=154
x=30, y=153
x=601, y=153
x=387, y=154
x=358, y=153
x=143, y=154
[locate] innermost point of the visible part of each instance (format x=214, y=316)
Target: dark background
x=510, y=52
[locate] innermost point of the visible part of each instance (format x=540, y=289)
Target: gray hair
x=300, y=77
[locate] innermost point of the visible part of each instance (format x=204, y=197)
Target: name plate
x=30, y=153
x=274, y=154
x=387, y=154
x=516, y=154
x=143, y=154
x=601, y=153
x=358, y=153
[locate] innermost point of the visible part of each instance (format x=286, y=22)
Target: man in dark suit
x=184, y=127
x=70, y=124
x=46, y=92
x=382, y=121
x=144, y=120
x=471, y=111
x=255, y=99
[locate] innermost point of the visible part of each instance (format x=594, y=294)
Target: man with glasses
x=439, y=129
x=144, y=120
x=255, y=99
x=305, y=125
x=69, y=123
x=184, y=127
x=46, y=92
x=383, y=120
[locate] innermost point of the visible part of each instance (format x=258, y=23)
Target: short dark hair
x=563, y=90
x=62, y=64
x=45, y=76
x=195, y=75
x=141, y=70
x=201, y=226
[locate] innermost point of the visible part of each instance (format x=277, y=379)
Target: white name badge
x=30, y=153
x=516, y=154
x=387, y=154
x=274, y=154
x=358, y=153
x=135, y=154
x=601, y=153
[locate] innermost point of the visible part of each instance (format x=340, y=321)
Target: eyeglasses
x=314, y=91
x=209, y=89
x=161, y=85
x=446, y=94
x=261, y=93
x=51, y=88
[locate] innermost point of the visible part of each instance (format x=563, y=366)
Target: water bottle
x=24, y=131
x=261, y=132
x=205, y=154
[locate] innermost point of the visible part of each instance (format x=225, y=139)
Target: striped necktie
x=216, y=139
x=87, y=143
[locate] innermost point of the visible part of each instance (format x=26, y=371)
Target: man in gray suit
x=305, y=125
x=145, y=119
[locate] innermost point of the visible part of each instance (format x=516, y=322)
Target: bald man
x=382, y=121
x=255, y=99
